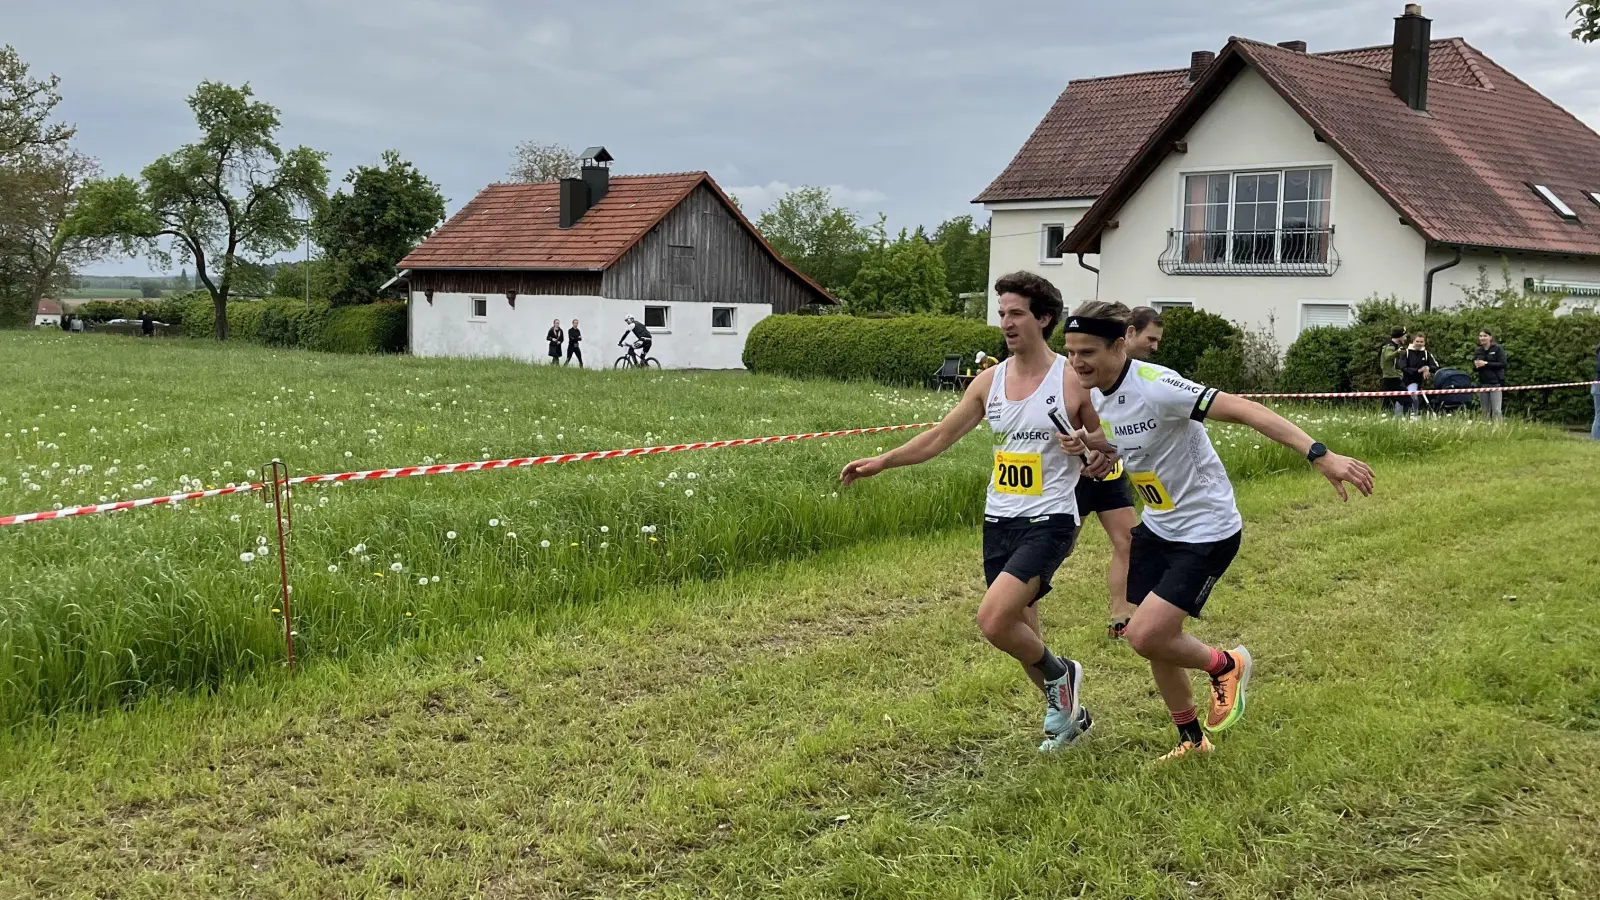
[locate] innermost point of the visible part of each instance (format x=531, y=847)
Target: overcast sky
x=909, y=108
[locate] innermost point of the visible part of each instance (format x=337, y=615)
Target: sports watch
x=1318, y=450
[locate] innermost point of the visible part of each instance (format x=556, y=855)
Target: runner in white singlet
x=1191, y=527
x=1030, y=516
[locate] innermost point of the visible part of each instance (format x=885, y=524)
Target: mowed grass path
x=1425, y=723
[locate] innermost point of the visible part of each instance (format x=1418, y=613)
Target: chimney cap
x=1296, y=46
x=1413, y=9
x=596, y=154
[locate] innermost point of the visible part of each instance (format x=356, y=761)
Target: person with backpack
x=1490, y=361
x=1389, y=368
x=1417, y=365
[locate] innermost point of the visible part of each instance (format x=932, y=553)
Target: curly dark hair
x=1044, y=298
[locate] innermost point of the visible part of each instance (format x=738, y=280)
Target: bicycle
x=632, y=360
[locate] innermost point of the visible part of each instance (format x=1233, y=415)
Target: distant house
x=49, y=314
x=670, y=250
x=1268, y=181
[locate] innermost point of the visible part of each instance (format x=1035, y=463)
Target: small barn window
x=721, y=318
x=657, y=317
x=682, y=265
x=1050, y=238
x=480, y=307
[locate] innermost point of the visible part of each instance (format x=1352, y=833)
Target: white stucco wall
x=446, y=328
x=1251, y=127
x=1016, y=243
x=42, y=320
x=1449, y=286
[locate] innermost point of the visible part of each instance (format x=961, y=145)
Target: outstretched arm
x=1337, y=469
x=925, y=446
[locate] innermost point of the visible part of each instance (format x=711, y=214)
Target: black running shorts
x=1027, y=548
x=1179, y=573
x=1104, y=496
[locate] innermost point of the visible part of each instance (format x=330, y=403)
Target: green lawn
x=821, y=722
x=102, y=294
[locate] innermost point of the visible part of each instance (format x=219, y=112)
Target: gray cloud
x=908, y=108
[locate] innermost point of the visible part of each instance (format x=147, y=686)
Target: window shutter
x=1335, y=314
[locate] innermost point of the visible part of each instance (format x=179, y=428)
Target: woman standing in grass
x=1030, y=521
x=1191, y=526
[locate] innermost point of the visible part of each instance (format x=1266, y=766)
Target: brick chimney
x=1199, y=62
x=1296, y=46
x=1408, y=74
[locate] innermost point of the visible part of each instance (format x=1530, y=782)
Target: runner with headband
x=1030, y=521
x=1191, y=526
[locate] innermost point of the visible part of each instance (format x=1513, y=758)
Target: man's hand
x=1480, y=363
x=861, y=468
x=1099, y=465
x=1073, y=442
x=1424, y=370
x=1341, y=470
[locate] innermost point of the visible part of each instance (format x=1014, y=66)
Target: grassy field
x=100, y=611
x=103, y=294
x=1425, y=723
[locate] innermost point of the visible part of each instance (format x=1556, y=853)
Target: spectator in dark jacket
x=1594, y=393
x=147, y=324
x=1490, y=361
x=1389, y=359
x=1416, y=367
x=555, y=336
x=574, y=338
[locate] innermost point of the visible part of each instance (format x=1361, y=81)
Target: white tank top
x=1032, y=475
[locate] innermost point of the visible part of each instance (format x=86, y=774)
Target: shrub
x=906, y=350
x=1188, y=333
x=1242, y=363
x=289, y=322
x=1318, y=361
x=368, y=328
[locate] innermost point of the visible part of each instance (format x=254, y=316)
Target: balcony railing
x=1288, y=251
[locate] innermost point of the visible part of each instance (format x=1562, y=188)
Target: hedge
x=288, y=322
x=1541, y=348
x=906, y=351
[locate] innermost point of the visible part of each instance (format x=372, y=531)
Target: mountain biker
x=637, y=330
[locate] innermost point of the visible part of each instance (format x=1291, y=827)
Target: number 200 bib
x=1018, y=473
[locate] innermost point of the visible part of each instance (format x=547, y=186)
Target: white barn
x=670, y=250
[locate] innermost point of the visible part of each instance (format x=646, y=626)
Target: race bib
x=1018, y=473
x=1152, y=491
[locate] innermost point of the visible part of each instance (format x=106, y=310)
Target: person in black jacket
x=1594, y=393
x=1490, y=361
x=147, y=324
x=1416, y=367
x=574, y=336
x=554, y=336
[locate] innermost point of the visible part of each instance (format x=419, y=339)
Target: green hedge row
x=1541, y=348
x=170, y=310
x=287, y=322
x=905, y=351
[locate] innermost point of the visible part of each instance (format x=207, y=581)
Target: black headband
x=1110, y=329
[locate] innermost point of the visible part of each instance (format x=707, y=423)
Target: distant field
x=102, y=294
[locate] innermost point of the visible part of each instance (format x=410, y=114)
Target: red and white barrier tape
x=1374, y=395
x=450, y=468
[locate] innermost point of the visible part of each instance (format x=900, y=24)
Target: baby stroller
x=1448, y=380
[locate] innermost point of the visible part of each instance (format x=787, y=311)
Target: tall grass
x=99, y=611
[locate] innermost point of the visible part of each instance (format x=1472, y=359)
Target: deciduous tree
x=1587, y=15
x=367, y=231
x=824, y=241
x=905, y=275
x=534, y=162
x=227, y=200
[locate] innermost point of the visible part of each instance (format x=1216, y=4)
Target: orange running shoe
x=1227, y=693
x=1189, y=748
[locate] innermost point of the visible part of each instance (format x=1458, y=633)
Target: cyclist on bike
x=636, y=329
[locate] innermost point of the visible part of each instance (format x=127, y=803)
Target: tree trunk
x=219, y=307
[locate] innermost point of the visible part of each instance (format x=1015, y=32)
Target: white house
x=1287, y=186
x=48, y=313
x=670, y=250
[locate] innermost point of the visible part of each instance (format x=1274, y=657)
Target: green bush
x=1189, y=333
x=906, y=350
x=1541, y=348
x=289, y=322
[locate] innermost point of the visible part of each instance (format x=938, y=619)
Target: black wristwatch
x=1317, y=451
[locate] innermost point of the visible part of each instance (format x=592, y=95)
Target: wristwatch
x=1317, y=451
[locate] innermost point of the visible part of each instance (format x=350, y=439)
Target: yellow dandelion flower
x=408, y=615
x=654, y=541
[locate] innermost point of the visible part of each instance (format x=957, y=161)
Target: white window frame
x=472, y=308
x=733, y=320
x=666, y=318
x=1162, y=304
x=1555, y=202
x=1044, y=243
x=1322, y=302
x=1595, y=196
x=1234, y=171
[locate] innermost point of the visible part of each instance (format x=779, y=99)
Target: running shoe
x=1227, y=693
x=1189, y=748
x=1080, y=728
x=1061, y=701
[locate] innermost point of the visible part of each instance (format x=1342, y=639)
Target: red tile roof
x=517, y=226
x=49, y=308
x=1459, y=175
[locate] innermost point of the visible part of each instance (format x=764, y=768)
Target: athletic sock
x=1188, y=726
x=1221, y=663
x=1053, y=669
